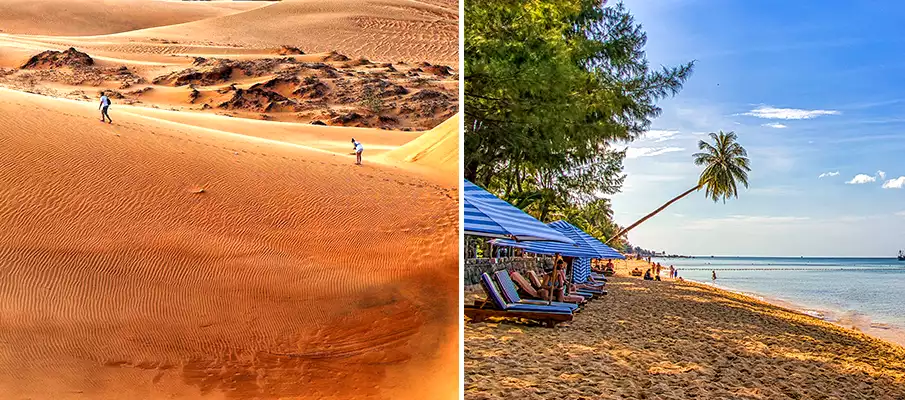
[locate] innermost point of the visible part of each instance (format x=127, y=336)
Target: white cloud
x=769, y=112
x=861, y=179
x=775, y=125
x=828, y=174
x=660, y=135
x=897, y=183
x=636, y=152
x=881, y=174
x=901, y=213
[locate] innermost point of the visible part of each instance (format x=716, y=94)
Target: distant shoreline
x=893, y=258
x=860, y=322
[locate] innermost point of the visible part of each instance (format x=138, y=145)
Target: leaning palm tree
x=726, y=164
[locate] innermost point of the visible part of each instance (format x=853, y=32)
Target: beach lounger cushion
x=526, y=287
x=535, y=281
x=501, y=304
x=510, y=293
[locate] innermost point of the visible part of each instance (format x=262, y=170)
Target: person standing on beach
x=105, y=104
x=672, y=272
x=358, y=149
x=713, y=276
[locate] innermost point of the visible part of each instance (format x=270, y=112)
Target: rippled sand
x=173, y=255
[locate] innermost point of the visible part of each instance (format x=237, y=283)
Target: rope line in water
x=790, y=269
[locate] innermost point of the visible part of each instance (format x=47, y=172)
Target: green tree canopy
x=551, y=86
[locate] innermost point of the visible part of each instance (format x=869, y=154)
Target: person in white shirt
x=358, y=149
x=105, y=104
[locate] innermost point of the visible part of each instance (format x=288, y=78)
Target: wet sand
x=680, y=340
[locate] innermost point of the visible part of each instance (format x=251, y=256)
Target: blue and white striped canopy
x=586, y=246
x=547, y=247
x=489, y=216
x=585, y=240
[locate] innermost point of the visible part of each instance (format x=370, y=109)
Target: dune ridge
x=436, y=150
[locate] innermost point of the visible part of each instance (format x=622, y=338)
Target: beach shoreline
x=678, y=340
x=844, y=319
x=861, y=322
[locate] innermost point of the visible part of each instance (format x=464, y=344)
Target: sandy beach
x=680, y=340
x=185, y=252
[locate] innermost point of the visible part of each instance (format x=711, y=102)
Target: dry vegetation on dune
x=329, y=89
x=666, y=340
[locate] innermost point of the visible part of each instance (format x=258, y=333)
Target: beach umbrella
x=585, y=240
x=582, y=270
x=489, y=216
x=583, y=245
x=548, y=248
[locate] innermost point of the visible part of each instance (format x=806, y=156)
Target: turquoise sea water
x=835, y=287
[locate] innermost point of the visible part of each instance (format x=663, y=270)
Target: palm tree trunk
x=657, y=211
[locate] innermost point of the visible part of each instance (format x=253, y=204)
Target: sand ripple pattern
x=381, y=30
x=292, y=269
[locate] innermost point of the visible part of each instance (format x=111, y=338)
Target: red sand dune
x=187, y=254
x=161, y=258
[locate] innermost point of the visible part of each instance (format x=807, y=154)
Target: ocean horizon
x=864, y=292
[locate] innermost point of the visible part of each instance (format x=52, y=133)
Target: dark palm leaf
x=725, y=164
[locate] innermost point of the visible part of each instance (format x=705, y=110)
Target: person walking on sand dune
x=105, y=105
x=358, y=149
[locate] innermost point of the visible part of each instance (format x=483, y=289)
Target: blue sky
x=811, y=91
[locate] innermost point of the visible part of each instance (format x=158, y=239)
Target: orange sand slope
x=153, y=259
x=326, y=138
x=437, y=149
x=97, y=17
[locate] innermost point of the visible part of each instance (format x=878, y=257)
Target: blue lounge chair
x=510, y=293
x=496, y=306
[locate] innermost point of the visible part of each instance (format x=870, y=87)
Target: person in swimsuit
x=358, y=149
x=105, y=105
